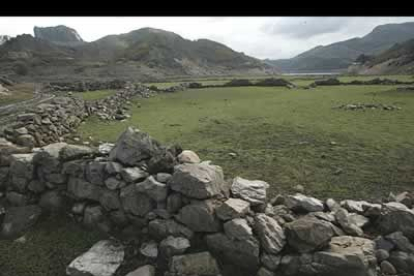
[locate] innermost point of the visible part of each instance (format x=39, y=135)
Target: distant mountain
x=145, y=53
x=338, y=56
x=60, y=35
x=399, y=59
x=4, y=38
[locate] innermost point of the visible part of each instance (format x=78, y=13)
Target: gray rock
x=114, y=183
x=265, y=272
x=199, y=216
x=397, y=217
x=105, y=148
x=308, y=234
x=74, y=168
x=16, y=199
x=72, y=152
x=146, y=270
x=21, y=170
x=26, y=140
x=402, y=262
x=405, y=198
x=132, y=147
x=188, y=156
x=194, y=264
x=233, y=208
x=382, y=243
x=342, y=217
x=36, y=186
x=253, y=191
x=243, y=253
x=333, y=206
x=81, y=189
x=154, y=189
x=93, y=215
x=238, y=229
x=174, y=203
x=161, y=161
x=270, y=233
x=149, y=249
x=381, y=255
x=113, y=168
x=136, y=203
x=102, y=259
x=198, y=180
x=52, y=201
x=171, y=246
x=95, y=172
x=18, y=219
x=358, y=220
x=109, y=200
x=401, y=242
x=302, y=203
x=21, y=131
x=162, y=228
x=131, y=175
x=163, y=177
x=271, y=262
x=78, y=208
x=387, y=268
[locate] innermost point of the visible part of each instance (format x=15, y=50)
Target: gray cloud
x=306, y=27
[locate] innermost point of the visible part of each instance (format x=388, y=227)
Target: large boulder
x=199, y=216
x=253, y=191
x=102, y=259
x=198, y=180
x=308, y=234
x=133, y=146
x=194, y=264
x=18, y=219
x=397, y=218
x=271, y=234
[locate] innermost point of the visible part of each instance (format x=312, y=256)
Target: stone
x=308, y=234
x=149, y=249
x=21, y=131
x=299, y=189
x=82, y=189
x=78, y=208
x=401, y=242
x=270, y=261
x=26, y=140
x=188, y=156
x=243, y=253
x=132, y=147
x=113, y=168
x=146, y=270
x=113, y=183
x=233, y=208
x=403, y=262
x=72, y=152
x=358, y=220
x=405, y=198
x=199, y=181
x=387, y=268
x=162, y=228
x=95, y=172
x=163, y=177
x=174, y=203
x=36, y=186
x=199, y=216
x=252, y=191
x=136, y=203
x=278, y=200
x=382, y=243
x=270, y=233
x=333, y=206
x=105, y=148
x=18, y=219
x=93, y=215
x=264, y=272
x=171, y=246
x=238, y=229
x=381, y=255
x=109, y=200
x=21, y=165
x=52, y=201
x=302, y=203
x=16, y=199
x=342, y=217
x=397, y=217
x=131, y=175
x=154, y=189
x=75, y=168
x=194, y=264
x=162, y=161
x=102, y=259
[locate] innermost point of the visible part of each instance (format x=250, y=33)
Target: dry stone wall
x=195, y=222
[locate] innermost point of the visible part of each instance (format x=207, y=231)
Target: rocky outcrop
x=178, y=210
x=60, y=35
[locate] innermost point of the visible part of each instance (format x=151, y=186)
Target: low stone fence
x=82, y=86
x=195, y=222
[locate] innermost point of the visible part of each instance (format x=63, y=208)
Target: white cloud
x=261, y=37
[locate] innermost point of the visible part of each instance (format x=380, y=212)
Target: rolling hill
x=340, y=55
x=141, y=54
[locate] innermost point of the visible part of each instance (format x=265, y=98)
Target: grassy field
x=18, y=93
x=287, y=137
x=94, y=95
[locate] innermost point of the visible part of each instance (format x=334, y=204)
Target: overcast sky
x=261, y=37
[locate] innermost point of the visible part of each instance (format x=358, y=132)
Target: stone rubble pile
x=82, y=86
x=369, y=106
x=192, y=221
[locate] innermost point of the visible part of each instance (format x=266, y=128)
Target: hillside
x=398, y=59
x=338, y=56
x=146, y=53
